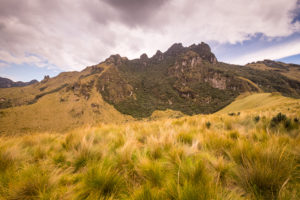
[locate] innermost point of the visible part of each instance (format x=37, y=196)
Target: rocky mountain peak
x=46, y=78
x=115, y=59
x=175, y=49
x=158, y=56
x=204, y=51
x=144, y=57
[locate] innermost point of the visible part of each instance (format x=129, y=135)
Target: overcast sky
x=39, y=37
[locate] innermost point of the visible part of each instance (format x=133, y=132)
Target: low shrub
x=278, y=119
x=208, y=124
x=256, y=118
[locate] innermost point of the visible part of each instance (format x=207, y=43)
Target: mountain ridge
x=185, y=67
x=7, y=83
x=189, y=80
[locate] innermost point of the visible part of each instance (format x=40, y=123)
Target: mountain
x=7, y=83
x=291, y=71
x=188, y=80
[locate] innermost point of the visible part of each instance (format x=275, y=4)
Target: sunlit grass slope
x=252, y=154
x=59, y=112
x=260, y=101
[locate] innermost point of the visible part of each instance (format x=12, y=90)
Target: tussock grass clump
x=192, y=181
x=39, y=153
x=223, y=169
x=7, y=160
x=81, y=159
x=148, y=193
x=234, y=134
x=84, y=155
x=185, y=137
x=152, y=171
x=71, y=142
x=32, y=182
x=59, y=159
x=218, y=144
x=263, y=169
x=101, y=182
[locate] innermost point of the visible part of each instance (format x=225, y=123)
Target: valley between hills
x=179, y=125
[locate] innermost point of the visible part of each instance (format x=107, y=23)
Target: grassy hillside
x=59, y=112
x=259, y=101
x=57, y=104
x=17, y=96
x=251, y=155
x=291, y=71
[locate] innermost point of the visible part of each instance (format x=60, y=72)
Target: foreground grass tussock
x=234, y=157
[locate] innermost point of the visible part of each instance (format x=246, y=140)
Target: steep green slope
x=183, y=79
x=186, y=79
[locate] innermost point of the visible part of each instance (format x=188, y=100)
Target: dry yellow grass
x=50, y=114
x=223, y=156
x=262, y=101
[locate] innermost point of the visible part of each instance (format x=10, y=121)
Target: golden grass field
x=245, y=151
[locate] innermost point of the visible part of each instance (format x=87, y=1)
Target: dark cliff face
x=182, y=78
x=7, y=83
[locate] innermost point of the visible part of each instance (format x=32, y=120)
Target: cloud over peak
x=72, y=34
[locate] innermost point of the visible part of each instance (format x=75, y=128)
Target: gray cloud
x=2, y=26
x=72, y=34
x=136, y=12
